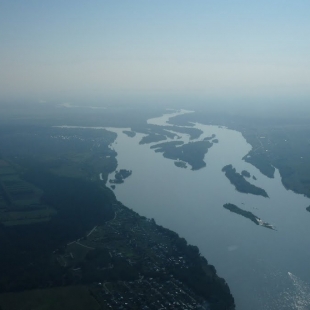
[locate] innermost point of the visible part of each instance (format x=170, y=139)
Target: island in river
x=151, y=138
x=241, y=184
x=129, y=133
x=120, y=176
x=246, y=174
x=192, y=153
x=233, y=208
x=180, y=164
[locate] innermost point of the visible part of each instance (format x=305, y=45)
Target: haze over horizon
x=139, y=51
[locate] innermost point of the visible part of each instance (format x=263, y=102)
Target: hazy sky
x=102, y=50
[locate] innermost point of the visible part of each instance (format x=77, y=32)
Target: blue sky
x=101, y=51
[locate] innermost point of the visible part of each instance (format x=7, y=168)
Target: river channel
x=265, y=269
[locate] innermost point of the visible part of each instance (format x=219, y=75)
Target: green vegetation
x=209, y=138
x=151, y=138
x=180, y=164
x=117, y=246
x=156, y=133
x=129, y=133
x=120, y=176
x=287, y=146
x=90, y=238
x=132, y=249
x=52, y=187
x=153, y=131
x=245, y=173
x=261, y=163
x=277, y=142
x=242, y=185
x=80, y=205
x=167, y=131
x=192, y=153
x=249, y=215
x=271, y=146
x=194, y=133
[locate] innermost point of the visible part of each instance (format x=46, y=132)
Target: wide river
x=265, y=269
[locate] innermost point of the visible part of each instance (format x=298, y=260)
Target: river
x=265, y=269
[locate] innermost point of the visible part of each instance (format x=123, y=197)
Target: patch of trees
x=165, y=131
x=120, y=176
x=261, y=163
x=233, y=208
x=150, y=138
x=193, y=133
x=209, y=138
x=98, y=266
x=241, y=184
x=249, y=215
x=38, y=141
x=246, y=174
x=129, y=133
x=180, y=164
x=192, y=153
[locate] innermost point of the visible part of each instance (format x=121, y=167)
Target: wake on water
x=296, y=297
x=301, y=296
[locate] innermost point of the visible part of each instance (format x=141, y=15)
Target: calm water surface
x=265, y=269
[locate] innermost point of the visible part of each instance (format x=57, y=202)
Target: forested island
x=209, y=138
x=151, y=138
x=192, y=153
x=120, y=176
x=180, y=164
x=193, y=133
x=129, y=133
x=249, y=215
x=156, y=133
x=245, y=173
x=241, y=184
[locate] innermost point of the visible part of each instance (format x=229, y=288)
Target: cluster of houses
x=148, y=294
x=138, y=241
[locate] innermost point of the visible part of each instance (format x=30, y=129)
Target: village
x=136, y=262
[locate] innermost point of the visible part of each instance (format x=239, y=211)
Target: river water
x=265, y=269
